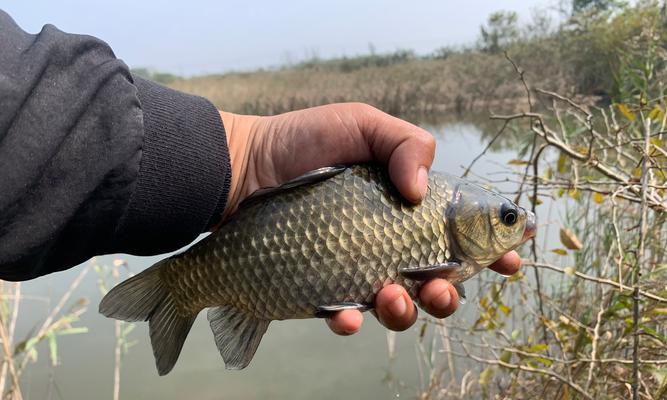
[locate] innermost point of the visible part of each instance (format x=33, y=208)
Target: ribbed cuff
x=184, y=175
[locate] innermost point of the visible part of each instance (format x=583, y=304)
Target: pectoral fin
x=237, y=335
x=425, y=273
x=461, y=290
x=328, y=310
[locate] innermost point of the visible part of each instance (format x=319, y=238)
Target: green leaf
x=626, y=112
x=504, y=309
x=128, y=328
x=657, y=142
x=128, y=345
x=485, y=376
x=30, y=344
x=544, y=361
x=655, y=333
x=560, y=252
x=659, y=270
x=32, y=354
x=517, y=276
x=506, y=356
x=562, y=163
x=655, y=114
x=660, y=375
x=53, y=348
x=422, y=332
x=73, y=331
x=537, y=348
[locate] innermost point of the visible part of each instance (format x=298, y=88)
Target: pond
x=297, y=359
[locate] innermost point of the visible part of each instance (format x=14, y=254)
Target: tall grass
x=63, y=319
x=412, y=87
x=19, y=352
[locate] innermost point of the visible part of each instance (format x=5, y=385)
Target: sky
x=214, y=36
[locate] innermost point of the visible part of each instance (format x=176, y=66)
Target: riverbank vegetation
x=586, y=319
x=578, y=53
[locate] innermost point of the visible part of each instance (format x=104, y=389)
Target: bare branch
x=603, y=281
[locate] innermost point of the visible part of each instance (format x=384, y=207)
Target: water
x=298, y=359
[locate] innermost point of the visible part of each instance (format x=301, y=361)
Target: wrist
x=241, y=133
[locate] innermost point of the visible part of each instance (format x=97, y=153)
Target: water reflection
x=296, y=359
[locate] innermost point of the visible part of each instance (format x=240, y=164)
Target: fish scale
x=355, y=236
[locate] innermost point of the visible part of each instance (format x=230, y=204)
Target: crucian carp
x=324, y=242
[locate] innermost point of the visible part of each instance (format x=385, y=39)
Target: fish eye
x=508, y=214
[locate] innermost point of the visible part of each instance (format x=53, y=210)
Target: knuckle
x=364, y=107
x=425, y=140
x=365, y=110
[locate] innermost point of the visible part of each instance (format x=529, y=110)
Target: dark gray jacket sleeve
x=94, y=160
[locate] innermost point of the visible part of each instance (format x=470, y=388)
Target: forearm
x=94, y=161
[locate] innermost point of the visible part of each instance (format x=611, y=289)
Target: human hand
x=266, y=151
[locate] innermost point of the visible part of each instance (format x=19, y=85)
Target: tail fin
x=144, y=297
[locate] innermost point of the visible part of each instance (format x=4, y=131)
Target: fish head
x=484, y=225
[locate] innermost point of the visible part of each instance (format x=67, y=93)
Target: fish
x=326, y=241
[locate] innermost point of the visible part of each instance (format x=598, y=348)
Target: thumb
x=406, y=149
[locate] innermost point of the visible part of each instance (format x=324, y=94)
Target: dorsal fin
x=308, y=178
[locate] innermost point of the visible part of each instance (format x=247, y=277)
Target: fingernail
x=398, y=307
x=422, y=181
x=442, y=301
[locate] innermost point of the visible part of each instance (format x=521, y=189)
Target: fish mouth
x=531, y=226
